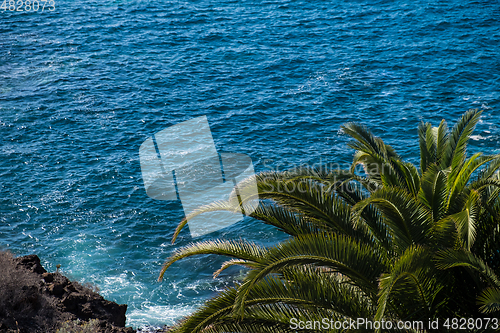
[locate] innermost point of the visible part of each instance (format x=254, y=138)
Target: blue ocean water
x=81, y=87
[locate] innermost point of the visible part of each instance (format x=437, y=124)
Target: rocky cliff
x=33, y=300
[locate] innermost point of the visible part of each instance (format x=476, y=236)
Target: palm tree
x=390, y=242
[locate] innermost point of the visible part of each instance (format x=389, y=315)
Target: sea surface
x=82, y=87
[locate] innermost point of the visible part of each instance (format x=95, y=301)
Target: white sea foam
x=150, y=314
x=477, y=137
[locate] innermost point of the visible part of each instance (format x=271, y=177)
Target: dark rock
x=70, y=288
x=48, y=277
x=72, y=301
x=30, y=262
x=68, y=301
x=56, y=289
x=105, y=310
x=107, y=328
x=31, y=294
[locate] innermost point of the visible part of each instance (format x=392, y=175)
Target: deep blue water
x=83, y=86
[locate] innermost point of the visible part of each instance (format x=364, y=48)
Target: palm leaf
x=466, y=220
x=433, y=191
x=409, y=279
x=448, y=258
x=489, y=300
x=407, y=219
x=455, y=151
x=458, y=179
x=427, y=146
x=242, y=249
x=358, y=262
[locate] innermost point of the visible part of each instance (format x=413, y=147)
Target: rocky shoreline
x=34, y=300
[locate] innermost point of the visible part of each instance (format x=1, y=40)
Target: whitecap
x=149, y=314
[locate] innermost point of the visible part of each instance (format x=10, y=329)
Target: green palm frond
x=276, y=301
x=285, y=313
x=490, y=183
x=360, y=263
x=250, y=325
x=209, y=313
x=428, y=146
x=233, y=262
x=373, y=166
x=368, y=143
x=394, y=243
x=409, y=278
x=321, y=205
x=290, y=222
x=372, y=221
x=444, y=234
x=434, y=191
x=455, y=151
x=407, y=176
x=408, y=220
x=489, y=300
x=466, y=220
x=458, y=180
x=370, y=184
x=442, y=140
x=446, y=259
x=241, y=249
x=372, y=153
x=433, y=143
x=334, y=292
x=321, y=174
x=233, y=205
x=491, y=170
